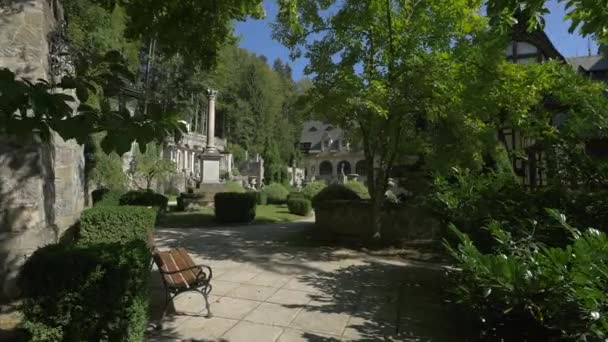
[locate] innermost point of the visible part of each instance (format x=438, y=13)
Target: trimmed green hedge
x=105, y=197
x=86, y=293
x=313, y=188
x=106, y=224
x=235, y=207
x=144, y=198
x=359, y=188
x=277, y=193
x=334, y=192
x=296, y=194
x=299, y=206
x=260, y=197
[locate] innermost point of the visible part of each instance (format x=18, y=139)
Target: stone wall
x=353, y=219
x=42, y=186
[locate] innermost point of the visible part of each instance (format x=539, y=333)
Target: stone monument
x=210, y=159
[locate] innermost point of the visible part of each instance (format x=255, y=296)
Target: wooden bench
x=180, y=274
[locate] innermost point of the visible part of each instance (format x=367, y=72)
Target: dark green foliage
x=528, y=292
x=97, y=195
x=105, y=197
x=295, y=194
x=186, y=196
x=359, y=188
x=299, y=205
x=144, y=198
x=276, y=192
x=235, y=207
x=313, y=188
x=261, y=197
x=86, y=293
x=334, y=192
x=471, y=201
x=107, y=224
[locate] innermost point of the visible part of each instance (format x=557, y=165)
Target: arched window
x=361, y=168
x=344, y=167
x=325, y=169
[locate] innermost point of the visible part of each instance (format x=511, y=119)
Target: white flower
x=595, y=315
x=528, y=274
x=594, y=232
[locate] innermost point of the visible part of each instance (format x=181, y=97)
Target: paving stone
x=233, y=308
x=196, y=328
x=189, y=303
x=323, y=322
x=253, y=292
x=294, y=335
x=273, y=314
x=269, y=279
x=301, y=285
x=247, y=332
x=237, y=276
x=290, y=297
x=220, y=287
x=365, y=328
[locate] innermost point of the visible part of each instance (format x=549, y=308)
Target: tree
x=590, y=17
x=378, y=67
x=196, y=30
x=151, y=166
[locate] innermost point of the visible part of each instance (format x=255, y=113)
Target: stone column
x=211, y=94
x=192, y=156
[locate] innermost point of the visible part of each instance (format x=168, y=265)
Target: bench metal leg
x=205, y=290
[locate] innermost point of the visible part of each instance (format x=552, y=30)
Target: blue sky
x=256, y=37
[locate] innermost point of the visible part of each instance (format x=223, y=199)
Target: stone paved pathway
x=269, y=285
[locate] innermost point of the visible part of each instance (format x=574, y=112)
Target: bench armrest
x=188, y=269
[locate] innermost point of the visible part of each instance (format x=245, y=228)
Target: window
x=325, y=169
x=329, y=128
x=344, y=167
x=312, y=129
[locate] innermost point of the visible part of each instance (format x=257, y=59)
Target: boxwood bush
x=295, y=194
x=299, y=205
x=359, y=188
x=235, y=207
x=313, y=188
x=105, y=196
x=106, y=224
x=144, y=198
x=334, y=192
x=277, y=193
x=260, y=196
x=86, y=293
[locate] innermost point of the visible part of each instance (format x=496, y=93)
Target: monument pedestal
x=210, y=168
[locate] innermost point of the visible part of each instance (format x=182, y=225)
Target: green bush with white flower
x=527, y=291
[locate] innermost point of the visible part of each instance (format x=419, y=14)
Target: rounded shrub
x=296, y=194
x=260, y=196
x=312, y=189
x=235, y=207
x=106, y=197
x=335, y=192
x=299, y=205
x=145, y=198
x=359, y=188
x=81, y=293
x=109, y=224
x=277, y=193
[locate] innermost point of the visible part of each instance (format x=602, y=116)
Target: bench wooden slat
x=167, y=264
x=189, y=261
x=187, y=276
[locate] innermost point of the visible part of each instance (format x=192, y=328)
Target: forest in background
x=256, y=105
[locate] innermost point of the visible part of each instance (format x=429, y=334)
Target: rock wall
x=42, y=185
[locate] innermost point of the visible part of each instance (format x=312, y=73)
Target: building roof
x=314, y=132
x=589, y=63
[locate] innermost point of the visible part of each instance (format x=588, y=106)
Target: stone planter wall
x=353, y=219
